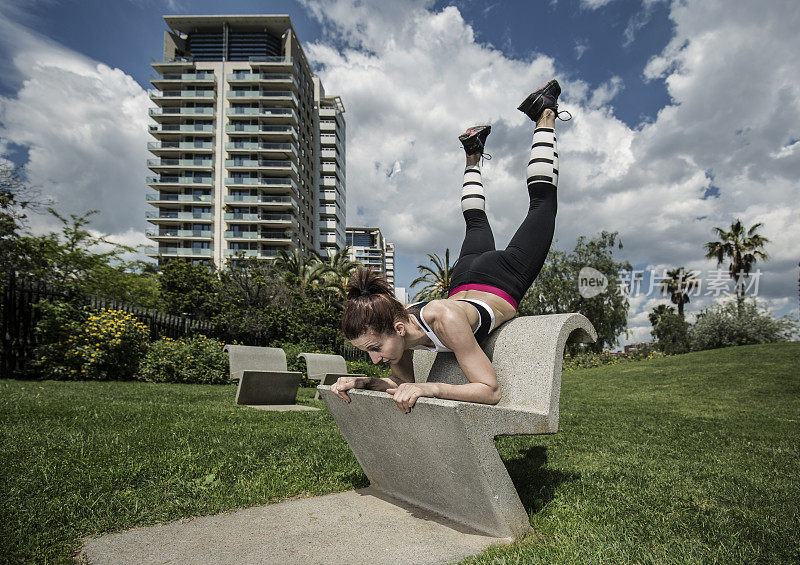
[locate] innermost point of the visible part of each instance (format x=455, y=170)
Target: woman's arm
x=453, y=329
x=402, y=372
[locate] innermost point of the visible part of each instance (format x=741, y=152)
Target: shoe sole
x=533, y=97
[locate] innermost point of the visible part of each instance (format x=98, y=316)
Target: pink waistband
x=485, y=288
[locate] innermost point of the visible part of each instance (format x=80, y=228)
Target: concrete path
x=349, y=528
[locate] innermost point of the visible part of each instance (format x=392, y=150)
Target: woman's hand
x=407, y=394
x=344, y=384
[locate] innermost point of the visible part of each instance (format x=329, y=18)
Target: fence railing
x=19, y=316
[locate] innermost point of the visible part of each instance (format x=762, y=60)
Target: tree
x=743, y=247
x=301, y=271
x=658, y=312
x=17, y=197
x=555, y=290
x=734, y=323
x=670, y=330
x=679, y=284
x=189, y=289
x=436, y=278
x=339, y=270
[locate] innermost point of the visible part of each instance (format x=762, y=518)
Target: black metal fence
x=19, y=316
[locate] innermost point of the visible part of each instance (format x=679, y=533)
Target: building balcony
x=177, y=252
x=168, y=79
x=179, y=112
x=164, y=180
x=284, y=96
x=262, y=253
x=206, y=95
x=168, y=147
x=328, y=238
x=241, y=234
x=201, y=164
x=169, y=215
x=263, y=182
x=172, y=63
x=272, y=237
x=176, y=233
x=171, y=129
x=282, y=220
x=264, y=200
x=275, y=115
x=267, y=166
x=271, y=61
x=328, y=224
x=329, y=210
x=327, y=126
x=328, y=197
x=276, y=132
x=252, y=146
x=167, y=198
x=278, y=79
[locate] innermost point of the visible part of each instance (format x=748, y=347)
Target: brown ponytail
x=370, y=305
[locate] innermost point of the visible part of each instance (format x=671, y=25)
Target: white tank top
x=438, y=346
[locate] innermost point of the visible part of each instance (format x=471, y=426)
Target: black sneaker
x=537, y=102
x=474, y=139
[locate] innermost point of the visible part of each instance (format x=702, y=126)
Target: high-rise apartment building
x=332, y=193
x=238, y=157
x=368, y=246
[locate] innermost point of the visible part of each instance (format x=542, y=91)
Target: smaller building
x=401, y=294
x=368, y=246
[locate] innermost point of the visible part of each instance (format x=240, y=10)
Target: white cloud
x=85, y=127
x=581, y=46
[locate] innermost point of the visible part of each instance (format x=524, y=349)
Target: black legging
x=515, y=268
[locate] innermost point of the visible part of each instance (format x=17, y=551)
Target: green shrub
x=197, y=360
x=294, y=349
x=591, y=359
x=722, y=325
x=106, y=345
x=379, y=371
x=672, y=333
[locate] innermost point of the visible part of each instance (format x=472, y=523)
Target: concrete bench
x=253, y=358
x=441, y=456
x=263, y=388
x=264, y=379
x=325, y=368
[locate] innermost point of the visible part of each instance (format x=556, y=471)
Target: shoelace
x=558, y=115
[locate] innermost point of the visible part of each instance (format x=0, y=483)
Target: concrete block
x=318, y=364
x=268, y=387
x=441, y=456
x=325, y=368
x=248, y=357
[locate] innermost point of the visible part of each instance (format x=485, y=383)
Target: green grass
x=692, y=458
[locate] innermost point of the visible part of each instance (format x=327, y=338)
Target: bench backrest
x=320, y=364
x=252, y=358
x=526, y=354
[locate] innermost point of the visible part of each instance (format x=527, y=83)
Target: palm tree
x=340, y=269
x=659, y=312
x=437, y=279
x=678, y=286
x=743, y=247
x=301, y=270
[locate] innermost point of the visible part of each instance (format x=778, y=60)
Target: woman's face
x=381, y=347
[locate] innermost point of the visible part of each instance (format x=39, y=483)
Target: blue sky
x=666, y=142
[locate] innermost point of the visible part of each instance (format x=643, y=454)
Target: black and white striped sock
x=472, y=196
x=543, y=166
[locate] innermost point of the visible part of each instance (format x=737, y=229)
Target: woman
x=486, y=284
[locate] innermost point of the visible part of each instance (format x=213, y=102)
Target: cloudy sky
x=687, y=116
